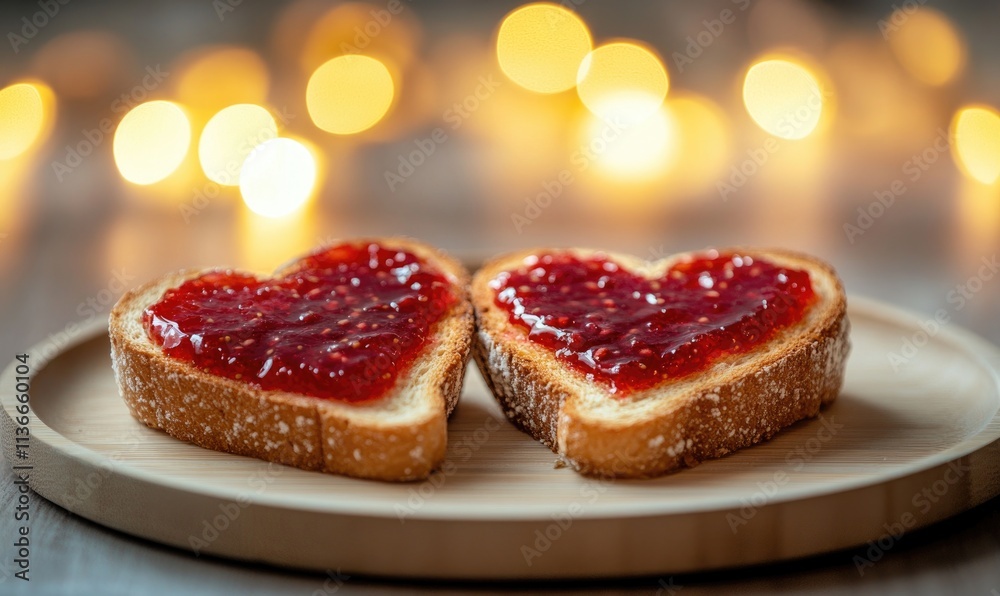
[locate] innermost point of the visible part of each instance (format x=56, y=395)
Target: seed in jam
x=630, y=333
x=343, y=324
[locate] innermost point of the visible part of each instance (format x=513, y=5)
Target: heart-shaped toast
x=348, y=360
x=629, y=368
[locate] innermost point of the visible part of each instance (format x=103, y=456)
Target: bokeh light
x=622, y=81
x=151, y=141
x=308, y=33
x=976, y=142
x=22, y=117
x=218, y=76
x=540, y=47
x=518, y=151
x=278, y=177
x=926, y=43
x=645, y=151
x=422, y=105
x=680, y=151
x=265, y=242
x=783, y=98
x=349, y=94
x=875, y=104
x=229, y=137
x=704, y=140
x=634, y=153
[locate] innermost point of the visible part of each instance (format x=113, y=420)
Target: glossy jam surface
x=629, y=333
x=343, y=325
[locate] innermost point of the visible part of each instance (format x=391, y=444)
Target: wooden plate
x=899, y=450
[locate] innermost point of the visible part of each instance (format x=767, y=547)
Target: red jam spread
x=629, y=333
x=344, y=324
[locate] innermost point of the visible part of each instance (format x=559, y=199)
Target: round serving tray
x=912, y=440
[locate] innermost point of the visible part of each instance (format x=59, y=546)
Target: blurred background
x=138, y=138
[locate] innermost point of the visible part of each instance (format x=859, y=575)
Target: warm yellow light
x=875, y=103
x=703, y=133
x=27, y=117
x=22, y=118
x=783, y=98
x=229, y=137
x=220, y=76
x=639, y=152
x=927, y=44
x=622, y=75
x=976, y=138
x=151, y=141
x=978, y=221
x=540, y=47
x=349, y=94
x=265, y=242
x=278, y=177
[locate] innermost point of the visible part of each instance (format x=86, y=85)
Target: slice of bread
x=739, y=401
x=401, y=436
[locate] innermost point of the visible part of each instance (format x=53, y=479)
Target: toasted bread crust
x=722, y=410
x=360, y=440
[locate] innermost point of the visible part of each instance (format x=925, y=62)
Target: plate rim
x=982, y=352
